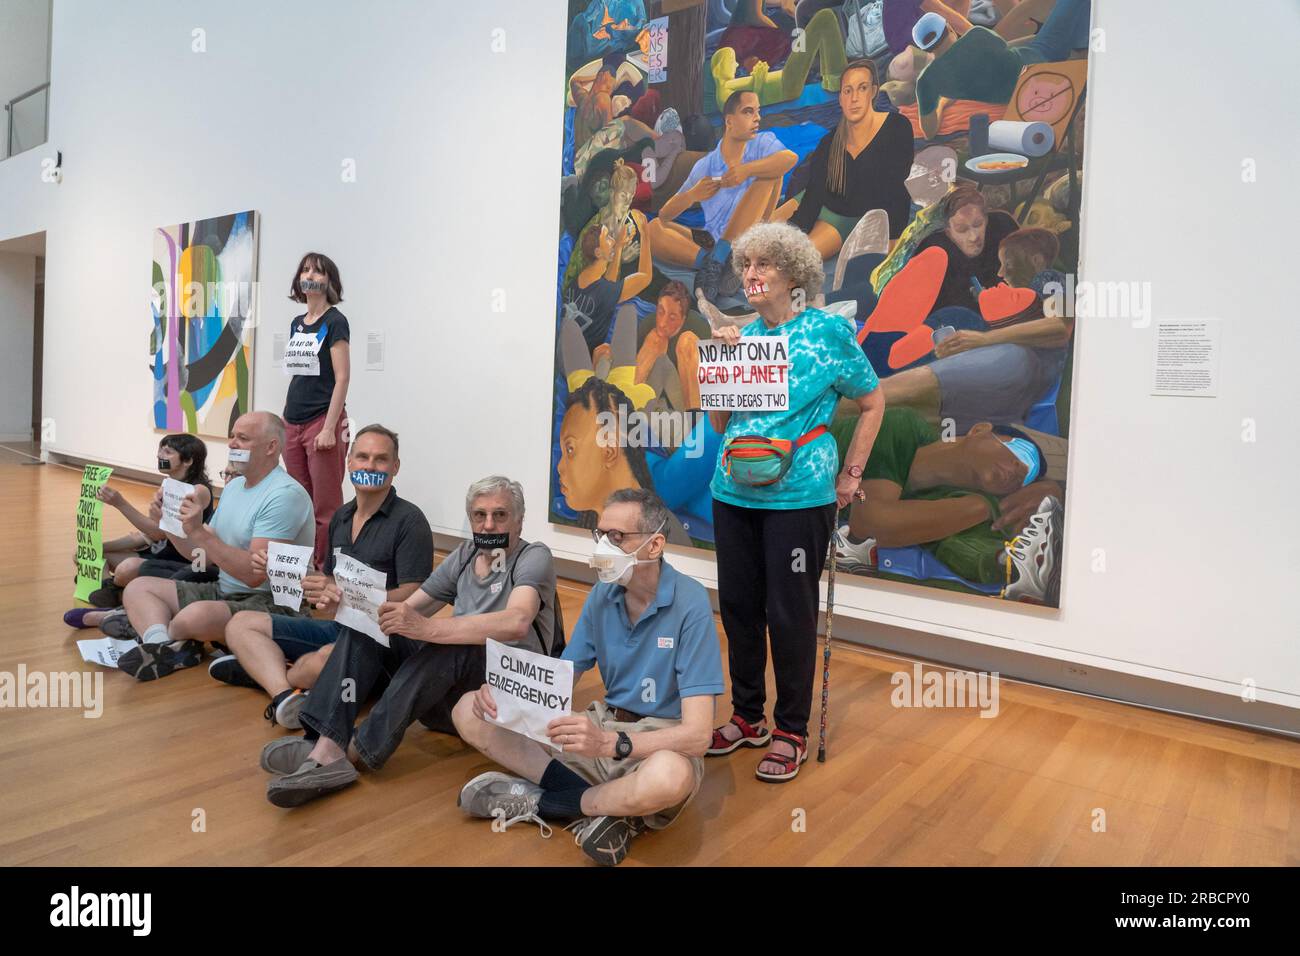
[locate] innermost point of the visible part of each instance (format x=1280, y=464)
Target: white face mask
x=614, y=565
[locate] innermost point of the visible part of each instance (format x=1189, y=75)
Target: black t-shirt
x=396, y=540
x=309, y=395
x=593, y=308
x=875, y=180
x=164, y=550
x=956, y=288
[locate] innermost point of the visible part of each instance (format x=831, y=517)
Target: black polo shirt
x=396, y=539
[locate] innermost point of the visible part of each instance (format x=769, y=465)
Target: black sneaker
x=605, y=839
x=708, y=277
x=116, y=624
x=228, y=670
x=108, y=596
x=284, y=709
x=151, y=661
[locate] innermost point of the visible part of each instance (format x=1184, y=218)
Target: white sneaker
x=854, y=557
x=1035, y=555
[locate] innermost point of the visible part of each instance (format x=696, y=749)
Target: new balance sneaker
x=284, y=709
x=152, y=661
x=500, y=796
x=1035, y=556
x=854, y=557
x=605, y=839
x=228, y=670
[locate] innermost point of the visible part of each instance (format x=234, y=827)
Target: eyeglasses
x=615, y=536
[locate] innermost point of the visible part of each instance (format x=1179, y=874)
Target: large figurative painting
x=933, y=153
x=201, y=347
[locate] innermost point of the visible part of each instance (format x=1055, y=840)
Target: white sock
x=156, y=634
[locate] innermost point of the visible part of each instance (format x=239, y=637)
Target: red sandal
x=750, y=736
x=790, y=765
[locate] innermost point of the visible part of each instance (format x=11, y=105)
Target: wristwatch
x=853, y=471
x=623, y=746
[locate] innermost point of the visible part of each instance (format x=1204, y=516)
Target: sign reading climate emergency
x=752, y=375
x=530, y=690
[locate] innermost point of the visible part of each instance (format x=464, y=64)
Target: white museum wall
x=17, y=326
x=24, y=46
x=456, y=152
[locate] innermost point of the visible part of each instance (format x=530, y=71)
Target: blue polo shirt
x=671, y=653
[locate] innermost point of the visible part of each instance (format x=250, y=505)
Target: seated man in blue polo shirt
x=283, y=655
x=634, y=760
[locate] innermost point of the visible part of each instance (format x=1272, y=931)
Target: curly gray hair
x=788, y=248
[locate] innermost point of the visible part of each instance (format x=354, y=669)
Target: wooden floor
x=902, y=786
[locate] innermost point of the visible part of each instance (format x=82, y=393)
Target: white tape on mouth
x=238, y=455
x=758, y=288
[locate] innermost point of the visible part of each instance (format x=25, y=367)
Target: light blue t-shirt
x=672, y=652
x=719, y=207
x=278, y=508
x=825, y=363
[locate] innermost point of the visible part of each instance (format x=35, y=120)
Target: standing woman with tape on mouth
x=320, y=365
x=776, y=492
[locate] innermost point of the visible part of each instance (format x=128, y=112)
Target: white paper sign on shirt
x=529, y=689
x=105, y=651
x=301, y=355
x=750, y=376
x=285, y=566
x=363, y=591
x=173, y=493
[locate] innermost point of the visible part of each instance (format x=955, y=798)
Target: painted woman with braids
x=860, y=165
x=596, y=457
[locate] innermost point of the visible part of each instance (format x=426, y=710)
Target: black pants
x=769, y=564
x=426, y=682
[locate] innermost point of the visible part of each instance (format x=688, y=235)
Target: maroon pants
x=320, y=471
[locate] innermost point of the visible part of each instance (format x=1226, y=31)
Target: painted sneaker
x=605, y=839
x=495, y=795
x=152, y=661
x=708, y=278
x=1035, y=555
x=854, y=557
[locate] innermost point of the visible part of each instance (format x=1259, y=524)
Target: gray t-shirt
x=455, y=582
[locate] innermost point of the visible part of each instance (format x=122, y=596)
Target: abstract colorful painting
x=932, y=151
x=202, y=300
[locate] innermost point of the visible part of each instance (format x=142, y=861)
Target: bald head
x=262, y=435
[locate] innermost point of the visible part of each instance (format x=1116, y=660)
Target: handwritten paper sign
x=363, y=590
x=106, y=651
x=750, y=376
x=302, y=354
x=174, y=493
x=657, y=51
x=530, y=690
x=90, y=531
x=285, y=566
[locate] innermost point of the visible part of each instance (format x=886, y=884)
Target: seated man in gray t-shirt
x=500, y=586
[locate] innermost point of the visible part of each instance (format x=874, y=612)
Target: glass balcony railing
x=27, y=120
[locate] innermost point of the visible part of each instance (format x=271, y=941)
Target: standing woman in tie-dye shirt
x=776, y=491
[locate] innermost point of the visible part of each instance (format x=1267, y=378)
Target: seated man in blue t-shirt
x=650, y=630
x=261, y=504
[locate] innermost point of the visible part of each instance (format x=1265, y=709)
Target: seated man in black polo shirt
x=499, y=585
x=283, y=655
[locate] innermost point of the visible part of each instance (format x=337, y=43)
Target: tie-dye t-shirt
x=825, y=363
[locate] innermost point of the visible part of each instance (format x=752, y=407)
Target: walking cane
x=826, y=653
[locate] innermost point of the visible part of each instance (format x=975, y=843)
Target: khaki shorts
x=189, y=592
x=604, y=769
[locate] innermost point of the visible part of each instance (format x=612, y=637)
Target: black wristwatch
x=623, y=746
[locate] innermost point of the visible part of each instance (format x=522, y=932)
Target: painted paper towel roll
x=1027, y=139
